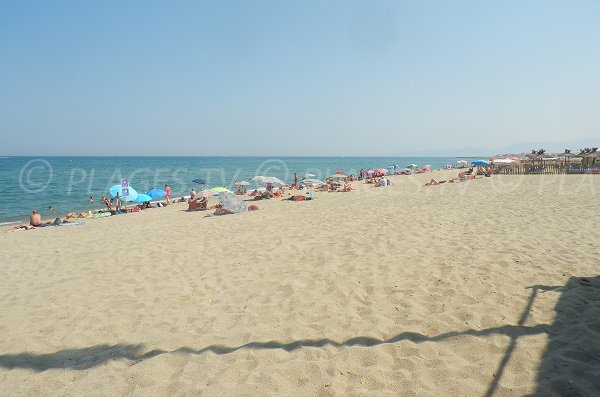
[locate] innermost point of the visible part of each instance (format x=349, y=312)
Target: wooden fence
x=545, y=169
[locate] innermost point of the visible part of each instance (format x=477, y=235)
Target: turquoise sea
x=66, y=183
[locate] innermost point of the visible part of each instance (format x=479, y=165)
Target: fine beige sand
x=482, y=288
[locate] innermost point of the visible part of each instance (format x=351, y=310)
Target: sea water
x=57, y=185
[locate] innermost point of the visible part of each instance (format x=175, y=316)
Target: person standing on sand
x=117, y=202
x=168, y=191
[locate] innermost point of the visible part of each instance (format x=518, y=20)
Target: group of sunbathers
x=471, y=173
x=197, y=203
x=379, y=181
x=268, y=193
x=347, y=187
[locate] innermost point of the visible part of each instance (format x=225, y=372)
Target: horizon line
x=242, y=156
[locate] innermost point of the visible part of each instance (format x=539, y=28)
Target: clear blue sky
x=295, y=77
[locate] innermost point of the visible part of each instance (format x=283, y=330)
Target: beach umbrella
x=241, y=183
x=205, y=193
x=411, y=166
x=142, y=198
x=480, y=163
x=308, y=176
x=199, y=181
x=341, y=172
x=118, y=189
x=312, y=182
x=337, y=176
x=220, y=190
x=381, y=171
x=232, y=203
x=268, y=179
x=156, y=193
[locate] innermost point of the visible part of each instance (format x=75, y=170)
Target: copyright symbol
x=35, y=176
x=273, y=166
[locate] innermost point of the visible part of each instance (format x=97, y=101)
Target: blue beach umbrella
x=117, y=189
x=232, y=203
x=480, y=163
x=156, y=193
x=142, y=198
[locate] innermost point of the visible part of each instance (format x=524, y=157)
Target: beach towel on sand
x=71, y=223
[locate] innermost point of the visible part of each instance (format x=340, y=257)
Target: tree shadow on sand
x=570, y=365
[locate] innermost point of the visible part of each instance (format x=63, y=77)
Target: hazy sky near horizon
x=295, y=78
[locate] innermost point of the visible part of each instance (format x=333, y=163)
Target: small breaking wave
x=8, y=223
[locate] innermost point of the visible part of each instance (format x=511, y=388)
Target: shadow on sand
x=93, y=356
x=570, y=365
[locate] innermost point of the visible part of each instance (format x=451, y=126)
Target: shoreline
x=66, y=184
x=97, y=210
x=433, y=174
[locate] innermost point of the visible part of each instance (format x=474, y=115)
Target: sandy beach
x=487, y=287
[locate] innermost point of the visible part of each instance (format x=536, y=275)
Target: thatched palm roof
x=591, y=155
x=567, y=155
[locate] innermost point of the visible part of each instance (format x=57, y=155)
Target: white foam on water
x=8, y=223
